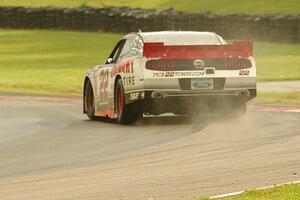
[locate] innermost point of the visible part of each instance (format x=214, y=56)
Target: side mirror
x=109, y=60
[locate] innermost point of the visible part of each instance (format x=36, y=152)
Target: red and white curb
x=261, y=188
x=274, y=108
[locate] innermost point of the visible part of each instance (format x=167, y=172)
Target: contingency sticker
x=171, y=74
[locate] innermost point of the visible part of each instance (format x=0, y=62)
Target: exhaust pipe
x=245, y=93
x=157, y=96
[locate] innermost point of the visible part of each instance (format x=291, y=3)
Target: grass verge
x=277, y=61
x=218, y=6
x=50, y=62
x=283, y=98
x=285, y=192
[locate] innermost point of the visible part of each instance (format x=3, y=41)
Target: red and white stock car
x=179, y=72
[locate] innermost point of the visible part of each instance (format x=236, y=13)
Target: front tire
x=89, y=100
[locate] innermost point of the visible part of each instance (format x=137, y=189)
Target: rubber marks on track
x=274, y=108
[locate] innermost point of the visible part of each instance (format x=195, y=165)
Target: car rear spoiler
x=243, y=49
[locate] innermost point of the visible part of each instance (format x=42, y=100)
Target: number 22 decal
x=244, y=72
x=104, y=86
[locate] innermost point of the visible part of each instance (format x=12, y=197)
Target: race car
x=180, y=72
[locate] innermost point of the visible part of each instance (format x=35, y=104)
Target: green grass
x=277, y=61
x=50, y=62
x=286, y=192
x=282, y=98
x=55, y=62
x=218, y=6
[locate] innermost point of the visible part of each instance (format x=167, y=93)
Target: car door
x=104, y=81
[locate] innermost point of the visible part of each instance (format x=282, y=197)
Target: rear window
x=136, y=46
x=178, y=38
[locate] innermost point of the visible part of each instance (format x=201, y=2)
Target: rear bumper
x=176, y=101
x=244, y=93
x=180, y=102
x=159, y=95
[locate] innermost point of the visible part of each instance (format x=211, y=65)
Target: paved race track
x=50, y=150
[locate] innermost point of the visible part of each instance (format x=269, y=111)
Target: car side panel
x=103, y=79
x=129, y=69
x=100, y=78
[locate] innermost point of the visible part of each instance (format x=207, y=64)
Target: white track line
x=227, y=195
x=261, y=188
x=295, y=110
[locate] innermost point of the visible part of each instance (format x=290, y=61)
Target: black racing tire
x=89, y=100
x=126, y=114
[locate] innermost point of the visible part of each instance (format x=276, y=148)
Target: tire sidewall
x=89, y=89
x=120, y=116
x=129, y=112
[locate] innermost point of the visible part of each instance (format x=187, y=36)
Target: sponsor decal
x=129, y=80
x=134, y=96
x=210, y=70
x=125, y=66
x=178, y=74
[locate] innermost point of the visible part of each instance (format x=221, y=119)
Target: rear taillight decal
x=189, y=64
x=160, y=65
x=237, y=63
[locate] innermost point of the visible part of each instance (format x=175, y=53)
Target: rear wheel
x=125, y=113
x=89, y=100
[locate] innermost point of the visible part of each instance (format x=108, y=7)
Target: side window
x=114, y=55
x=125, y=50
x=132, y=47
x=117, y=54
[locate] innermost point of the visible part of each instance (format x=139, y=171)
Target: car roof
x=181, y=37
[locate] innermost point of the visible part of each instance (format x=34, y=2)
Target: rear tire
x=89, y=100
x=126, y=114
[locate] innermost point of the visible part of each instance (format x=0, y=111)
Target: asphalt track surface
x=50, y=150
x=279, y=86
